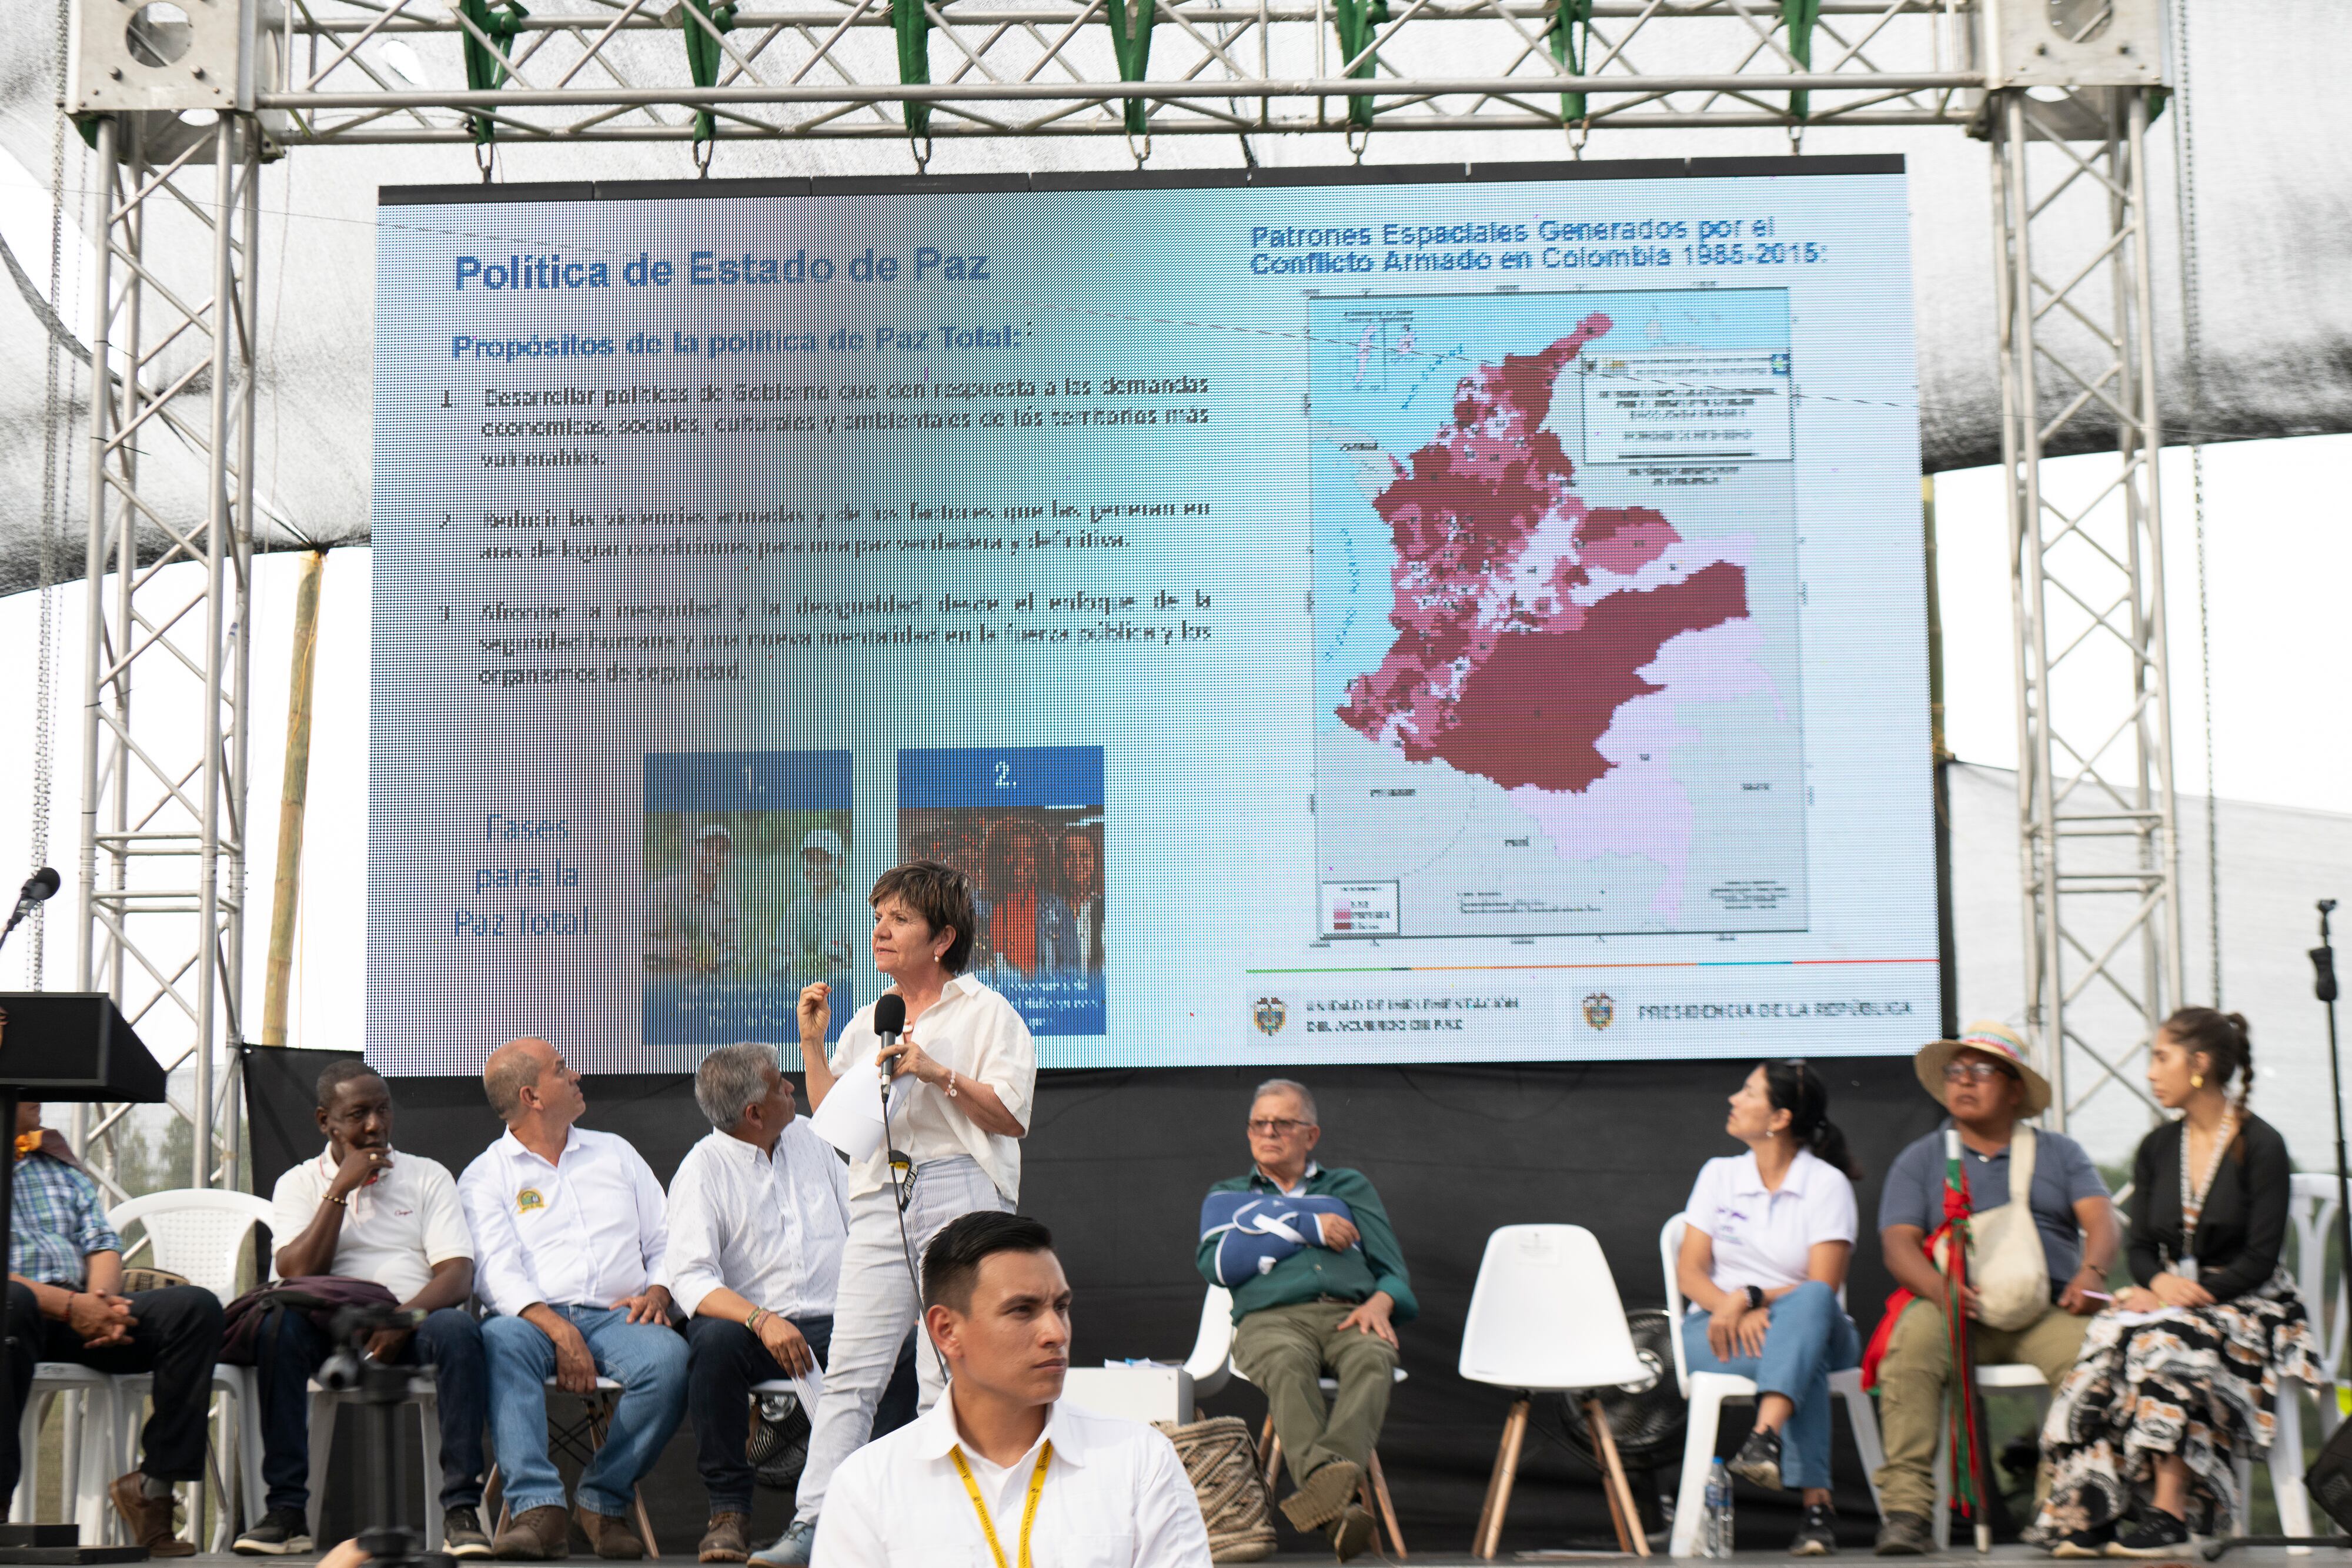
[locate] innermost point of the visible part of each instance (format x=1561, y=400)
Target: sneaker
x=725, y=1538
x=1818, y=1537
x=153, y=1520
x=1904, y=1535
x=2155, y=1533
x=280, y=1532
x=1350, y=1532
x=461, y=1533
x=2090, y=1542
x=1758, y=1459
x=790, y=1550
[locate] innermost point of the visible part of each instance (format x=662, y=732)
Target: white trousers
x=877, y=1305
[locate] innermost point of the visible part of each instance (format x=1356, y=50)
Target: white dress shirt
x=767, y=1229
x=1116, y=1495
x=1764, y=1237
x=974, y=1033
x=403, y=1221
x=585, y=1231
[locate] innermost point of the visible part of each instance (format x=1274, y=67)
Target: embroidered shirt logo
x=528, y=1200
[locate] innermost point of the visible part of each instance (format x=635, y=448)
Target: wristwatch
x=1755, y=1298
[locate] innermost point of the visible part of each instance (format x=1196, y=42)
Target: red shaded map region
x=1523, y=617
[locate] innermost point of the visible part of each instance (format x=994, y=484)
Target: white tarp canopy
x=2275, y=238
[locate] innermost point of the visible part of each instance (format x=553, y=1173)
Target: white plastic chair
x=1992, y=1377
x=88, y=1471
x=198, y=1233
x=1211, y=1366
x=1709, y=1391
x=2313, y=1211
x=1545, y=1318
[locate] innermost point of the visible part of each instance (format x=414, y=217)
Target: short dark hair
x=940, y=895
x=335, y=1075
x=952, y=1262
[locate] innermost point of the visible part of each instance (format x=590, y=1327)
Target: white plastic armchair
x=196, y=1232
x=1211, y=1362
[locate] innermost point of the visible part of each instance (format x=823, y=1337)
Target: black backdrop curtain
x=1116, y=1165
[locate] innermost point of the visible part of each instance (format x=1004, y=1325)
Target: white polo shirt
x=584, y=1231
x=974, y=1033
x=769, y=1228
x=1116, y=1495
x=1763, y=1238
x=403, y=1221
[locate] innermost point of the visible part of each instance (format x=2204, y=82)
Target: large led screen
x=1357, y=615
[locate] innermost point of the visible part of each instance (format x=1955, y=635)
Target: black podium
x=62, y=1048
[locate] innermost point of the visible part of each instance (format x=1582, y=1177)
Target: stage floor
x=2243, y=1557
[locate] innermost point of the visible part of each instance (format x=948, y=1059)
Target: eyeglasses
x=1983, y=1072
x=1276, y=1126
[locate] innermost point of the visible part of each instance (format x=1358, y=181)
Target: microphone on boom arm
x=38, y=888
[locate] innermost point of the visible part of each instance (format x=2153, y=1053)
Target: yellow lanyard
x=1028, y=1509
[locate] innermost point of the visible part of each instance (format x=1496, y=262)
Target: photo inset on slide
x=1025, y=823
x=747, y=894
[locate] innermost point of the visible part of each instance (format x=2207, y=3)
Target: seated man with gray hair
x=1318, y=1282
x=758, y=1213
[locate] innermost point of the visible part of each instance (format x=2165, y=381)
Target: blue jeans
x=647, y=1360
x=289, y=1351
x=1807, y=1338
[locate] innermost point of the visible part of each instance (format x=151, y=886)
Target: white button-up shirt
x=767, y=1229
x=395, y=1229
x=974, y=1033
x=1765, y=1237
x=584, y=1231
x=1116, y=1495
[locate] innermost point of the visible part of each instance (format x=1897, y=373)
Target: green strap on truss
x=1799, y=17
x=1130, y=40
x=1571, y=46
x=485, y=68
x=702, y=22
x=912, y=20
x=1359, y=22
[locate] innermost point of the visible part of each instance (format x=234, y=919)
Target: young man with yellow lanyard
x=999, y=1474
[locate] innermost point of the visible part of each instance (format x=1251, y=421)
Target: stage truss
x=181, y=113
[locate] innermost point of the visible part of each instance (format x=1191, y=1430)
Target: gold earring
x=2197, y=1081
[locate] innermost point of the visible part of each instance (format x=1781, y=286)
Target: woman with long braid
x=2181, y=1377
x=1766, y=1241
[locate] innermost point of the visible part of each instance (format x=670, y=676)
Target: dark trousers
x=177, y=1338
x=289, y=1351
x=723, y=1360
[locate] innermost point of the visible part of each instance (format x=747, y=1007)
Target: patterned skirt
x=2198, y=1381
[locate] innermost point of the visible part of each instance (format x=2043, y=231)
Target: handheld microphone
x=889, y=1022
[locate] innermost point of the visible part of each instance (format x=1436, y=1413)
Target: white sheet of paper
x=850, y=1119
x=810, y=1384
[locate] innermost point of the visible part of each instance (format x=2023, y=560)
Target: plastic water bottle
x=1715, y=1528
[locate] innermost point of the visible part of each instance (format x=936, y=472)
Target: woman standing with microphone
x=960, y=1079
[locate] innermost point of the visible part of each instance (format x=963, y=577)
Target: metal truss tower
x=182, y=112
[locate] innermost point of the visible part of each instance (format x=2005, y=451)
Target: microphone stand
x=2323, y=965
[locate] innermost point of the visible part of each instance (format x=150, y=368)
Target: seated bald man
x=569, y=1230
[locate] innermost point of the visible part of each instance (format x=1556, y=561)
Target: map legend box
x=1360, y=909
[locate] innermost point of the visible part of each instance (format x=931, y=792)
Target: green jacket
x=1376, y=1263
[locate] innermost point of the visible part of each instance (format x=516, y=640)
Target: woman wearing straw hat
x=2034, y=1271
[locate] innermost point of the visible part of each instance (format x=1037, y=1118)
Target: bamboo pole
x=294, y=798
